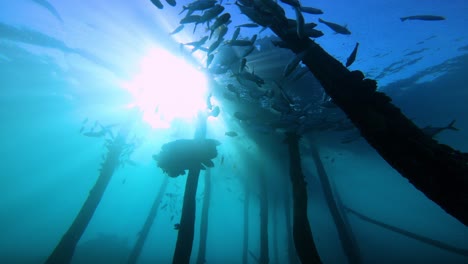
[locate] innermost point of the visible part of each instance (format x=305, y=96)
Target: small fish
x=222, y=32
x=293, y=63
x=242, y=64
x=433, y=131
x=177, y=30
x=300, y=23
x=215, y=45
x=198, y=5
x=197, y=44
x=253, y=39
x=176, y=226
x=335, y=27
x=247, y=52
x=236, y=34
x=248, y=25
x=423, y=17
x=171, y=2
x=231, y=134
x=49, y=8
x=249, y=76
x=190, y=19
x=209, y=60
x=293, y=3
x=212, y=13
x=221, y=20
x=164, y=206
x=157, y=3
x=215, y=112
x=98, y=134
x=311, y=10
x=352, y=56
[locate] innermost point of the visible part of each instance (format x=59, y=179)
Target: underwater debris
x=183, y=154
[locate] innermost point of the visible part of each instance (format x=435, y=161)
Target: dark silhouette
x=201, y=259
x=437, y=170
x=302, y=235
x=264, y=258
x=136, y=251
x=63, y=252
x=245, y=244
x=345, y=233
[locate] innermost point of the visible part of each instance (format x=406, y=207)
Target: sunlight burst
x=167, y=87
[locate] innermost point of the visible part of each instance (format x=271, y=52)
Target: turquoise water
x=67, y=65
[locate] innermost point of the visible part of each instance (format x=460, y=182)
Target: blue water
x=64, y=62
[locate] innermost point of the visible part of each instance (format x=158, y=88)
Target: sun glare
x=167, y=87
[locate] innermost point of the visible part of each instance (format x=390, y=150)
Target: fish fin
x=450, y=126
x=183, y=9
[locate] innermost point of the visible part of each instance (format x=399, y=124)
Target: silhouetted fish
x=177, y=30
x=171, y=2
x=423, y=17
x=157, y=3
x=311, y=10
x=433, y=131
x=248, y=25
x=294, y=3
x=335, y=27
x=352, y=56
x=231, y=134
x=50, y=8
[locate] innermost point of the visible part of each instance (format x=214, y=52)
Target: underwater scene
x=224, y=131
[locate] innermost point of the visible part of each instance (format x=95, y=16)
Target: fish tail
x=451, y=126
x=183, y=9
